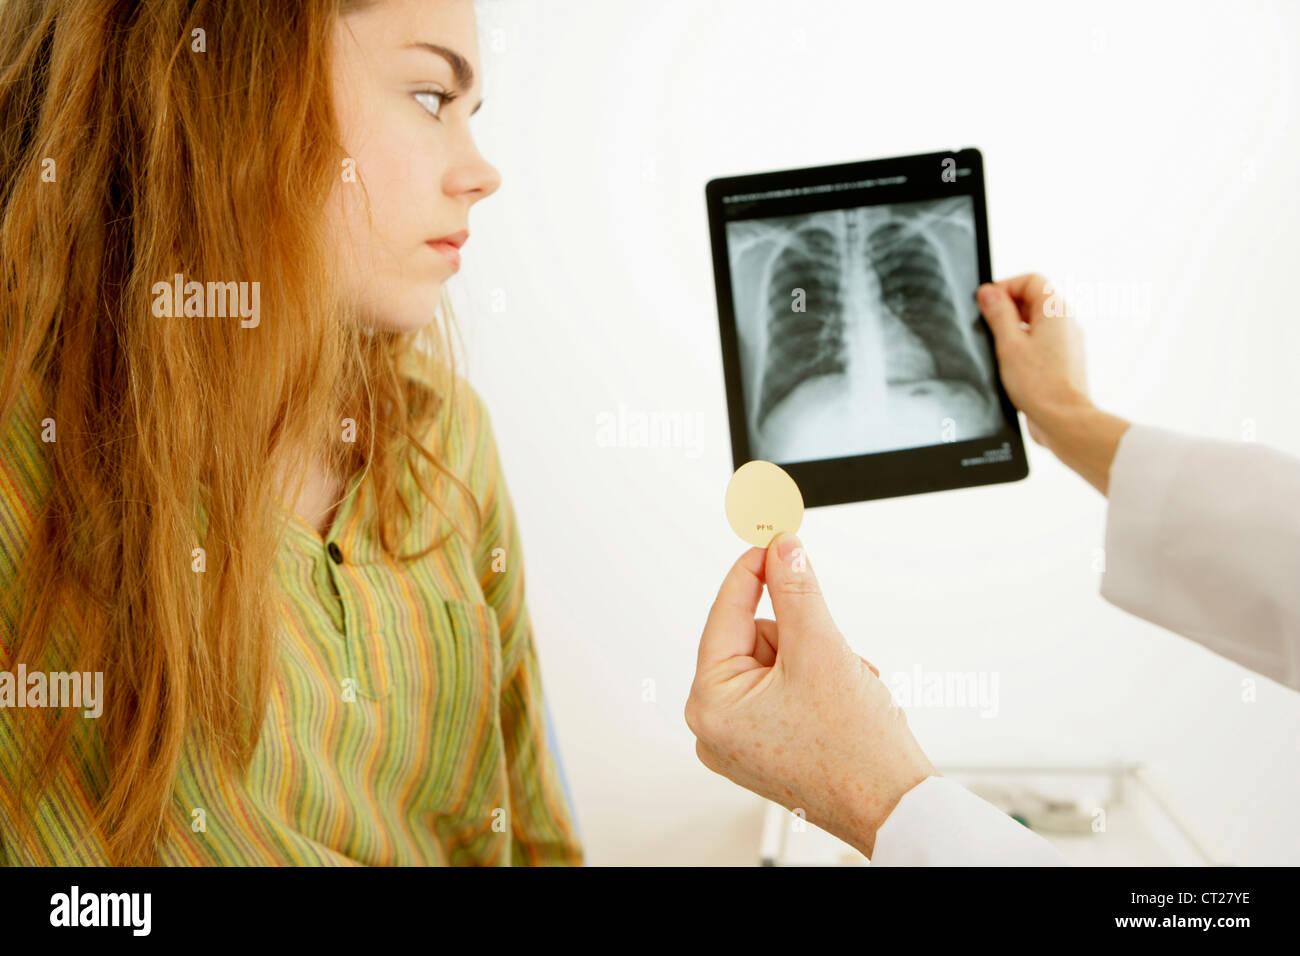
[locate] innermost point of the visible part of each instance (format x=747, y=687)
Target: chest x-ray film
x=854, y=351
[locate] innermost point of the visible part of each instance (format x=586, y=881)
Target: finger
x=765, y=644
x=1030, y=287
x=729, y=629
x=870, y=666
x=797, y=599
x=1001, y=313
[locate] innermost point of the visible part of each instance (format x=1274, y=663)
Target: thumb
x=1000, y=312
x=801, y=614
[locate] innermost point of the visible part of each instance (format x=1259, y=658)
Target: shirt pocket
x=474, y=642
x=465, y=721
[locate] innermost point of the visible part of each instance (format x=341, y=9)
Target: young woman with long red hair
x=241, y=478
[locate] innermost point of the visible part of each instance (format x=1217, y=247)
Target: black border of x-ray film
x=889, y=474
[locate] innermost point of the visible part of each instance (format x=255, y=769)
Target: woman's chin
x=409, y=316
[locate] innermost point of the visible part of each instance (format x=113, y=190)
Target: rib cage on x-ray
x=881, y=315
x=915, y=289
x=806, y=343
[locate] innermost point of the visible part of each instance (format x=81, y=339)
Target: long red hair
x=126, y=158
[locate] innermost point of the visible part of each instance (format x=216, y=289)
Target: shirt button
x=336, y=555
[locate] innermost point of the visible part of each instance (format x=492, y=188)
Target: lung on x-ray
x=858, y=330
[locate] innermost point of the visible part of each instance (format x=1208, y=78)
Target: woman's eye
x=425, y=97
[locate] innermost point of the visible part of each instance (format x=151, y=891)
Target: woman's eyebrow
x=460, y=67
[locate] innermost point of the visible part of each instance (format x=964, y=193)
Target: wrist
x=863, y=836
x=1060, y=418
x=1083, y=437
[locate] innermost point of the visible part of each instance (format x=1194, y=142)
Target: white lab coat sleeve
x=1203, y=538
x=941, y=823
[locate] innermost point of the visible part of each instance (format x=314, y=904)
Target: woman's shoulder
x=460, y=428
x=459, y=436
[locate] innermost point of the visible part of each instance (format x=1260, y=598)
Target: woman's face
x=406, y=81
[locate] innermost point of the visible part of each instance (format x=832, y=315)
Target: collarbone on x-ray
x=859, y=330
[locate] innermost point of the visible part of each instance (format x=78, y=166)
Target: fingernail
x=788, y=543
x=988, y=293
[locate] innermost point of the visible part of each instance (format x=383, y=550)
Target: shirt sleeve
x=542, y=823
x=941, y=823
x=1203, y=538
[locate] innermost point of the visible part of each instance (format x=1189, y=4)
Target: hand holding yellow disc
x=762, y=502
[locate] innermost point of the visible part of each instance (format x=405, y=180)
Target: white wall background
x=1140, y=148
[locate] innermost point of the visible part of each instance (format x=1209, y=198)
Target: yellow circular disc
x=762, y=502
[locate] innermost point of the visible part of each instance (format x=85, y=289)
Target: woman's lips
x=447, y=249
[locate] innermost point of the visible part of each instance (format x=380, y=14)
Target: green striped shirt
x=406, y=725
